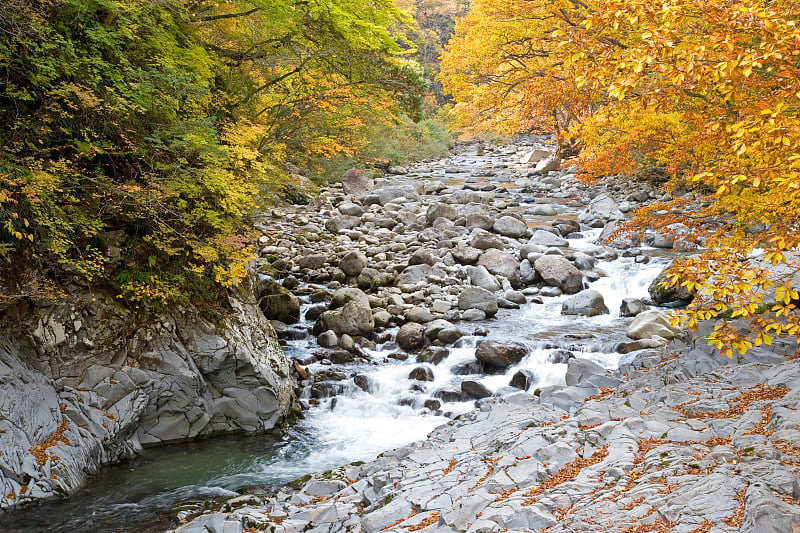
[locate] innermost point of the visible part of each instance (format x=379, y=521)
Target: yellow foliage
x=705, y=91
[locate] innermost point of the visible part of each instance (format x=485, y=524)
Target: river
x=355, y=425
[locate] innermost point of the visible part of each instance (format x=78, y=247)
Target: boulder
x=528, y=274
x=279, y=304
x=587, y=303
x=448, y=396
x=581, y=260
x=388, y=194
x=439, y=210
x=411, y=336
x=328, y=339
x=557, y=271
x=421, y=373
x=522, y=379
x=312, y=261
x=340, y=223
x=560, y=356
x=353, y=263
x=414, y=274
x=542, y=210
x=477, y=298
x=545, y=238
x=466, y=255
x=622, y=240
x=350, y=313
x=632, y=307
x=486, y=241
x=602, y=208
x=534, y=156
x=423, y=256
x=480, y=277
x=432, y=328
x=357, y=182
x=501, y=263
x=548, y=164
x=662, y=294
x=500, y=354
x=479, y=220
x=583, y=371
x=509, y=226
x=649, y=324
x=450, y=335
x=475, y=389
x=418, y=314
x=433, y=355
x=350, y=209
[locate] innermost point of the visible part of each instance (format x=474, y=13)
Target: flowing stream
x=355, y=425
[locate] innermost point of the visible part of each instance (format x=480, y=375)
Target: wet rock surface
x=83, y=385
x=693, y=442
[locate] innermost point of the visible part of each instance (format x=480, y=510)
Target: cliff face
x=83, y=385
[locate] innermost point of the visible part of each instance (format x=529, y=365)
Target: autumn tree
x=137, y=138
x=702, y=93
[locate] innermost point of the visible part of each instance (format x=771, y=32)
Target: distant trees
x=137, y=137
x=704, y=93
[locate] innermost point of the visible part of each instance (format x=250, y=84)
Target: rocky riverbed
x=683, y=443
x=478, y=301
x=83, y=385
x=485, y=289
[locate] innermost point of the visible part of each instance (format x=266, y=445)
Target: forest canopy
x=138, y=137
x=702, y=94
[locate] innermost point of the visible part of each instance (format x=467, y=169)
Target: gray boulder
x=466, y=255
x=480, y=277
x=357, y=182
x=649, y=324
x=479, y=220
x=353, y=263
x=557, y=271
x=500, y=354
x=501, y=263
x=477, y=298
x=486, y=241
x=279, y=304
x=351, y=209
x=423, y=256
x=312, y=261
x=414, y=274
x=350, y=313
x=602, y=208
x=548, y=164
x=663, y=294
x=340, y=223
x=411, y=336
x=418, y=314
x=439, y=210
x=388, y=194
x=421, y=373
x=622, y=240
x=509, y=226
x=522, y=379
x=587, y=303
x=475, y=389
x=631, y=307
x=433, y=355
x=583, y=372
x=545, y=238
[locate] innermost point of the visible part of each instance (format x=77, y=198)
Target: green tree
x=155, y=128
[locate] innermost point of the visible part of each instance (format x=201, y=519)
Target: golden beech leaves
x=702, y=94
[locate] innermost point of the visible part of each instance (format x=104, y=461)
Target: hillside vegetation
x=138, y=138
x=704, y=95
